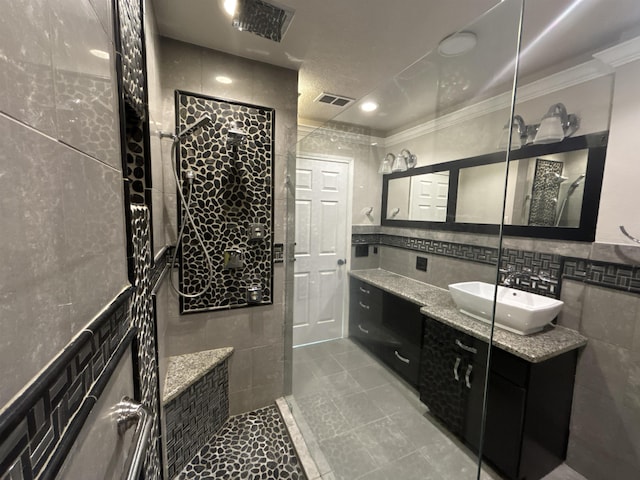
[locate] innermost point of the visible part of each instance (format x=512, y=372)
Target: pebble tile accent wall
x=130, y=25
x=38, y=428
x=544, y=194
x=195, y=415
x=253, y=445
x=232, y=190
x=145, y=346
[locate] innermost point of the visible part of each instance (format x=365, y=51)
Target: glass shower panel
x=401, y=393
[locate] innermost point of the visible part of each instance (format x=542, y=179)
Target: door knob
x=342, y=261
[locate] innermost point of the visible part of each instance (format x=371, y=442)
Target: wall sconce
x=518, y=134
x=556, y=125
x=385, y=165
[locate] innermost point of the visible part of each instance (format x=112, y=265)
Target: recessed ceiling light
x=230, y=6
x=369, y=106
x=223, y=79
x=457, y=44
x=99, y=53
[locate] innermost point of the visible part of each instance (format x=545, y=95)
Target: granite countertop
x=184, y=370
x=436, y=302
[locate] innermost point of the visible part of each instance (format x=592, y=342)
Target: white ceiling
x=358, y=47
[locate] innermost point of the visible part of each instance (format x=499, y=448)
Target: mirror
x=552, y=191
x=421, y=197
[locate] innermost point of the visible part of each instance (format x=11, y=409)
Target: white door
x=429, y=197
x=321, y=250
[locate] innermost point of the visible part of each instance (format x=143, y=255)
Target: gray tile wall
x=61, y=209
x=256, y=370
x=99, y=448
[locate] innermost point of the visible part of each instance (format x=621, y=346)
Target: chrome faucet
x=512, y=275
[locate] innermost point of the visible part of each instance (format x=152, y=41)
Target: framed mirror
x=552, y=191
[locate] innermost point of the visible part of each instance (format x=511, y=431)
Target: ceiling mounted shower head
x=266, y=19
x=189, y=129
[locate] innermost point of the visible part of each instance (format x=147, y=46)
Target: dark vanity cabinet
x=529, y=404
x=388, y=326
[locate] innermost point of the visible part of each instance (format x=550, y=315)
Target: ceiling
x=358, y=48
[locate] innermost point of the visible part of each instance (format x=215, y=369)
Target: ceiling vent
x=268, y=20
x=333, y=99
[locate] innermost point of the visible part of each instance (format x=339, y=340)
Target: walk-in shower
x=189, y=178
x=572, y=188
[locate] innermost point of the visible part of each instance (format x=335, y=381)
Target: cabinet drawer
x=366, y=300
x=402, y=357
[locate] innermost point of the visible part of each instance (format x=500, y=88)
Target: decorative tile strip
x=604, y=274
x=534, y=264
x=365, y=239
x=36, y=426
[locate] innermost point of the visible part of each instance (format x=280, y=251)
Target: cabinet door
x=474, y=373
x=505, y=420
x=440, y=387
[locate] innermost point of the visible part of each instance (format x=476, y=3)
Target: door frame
x=350, y=162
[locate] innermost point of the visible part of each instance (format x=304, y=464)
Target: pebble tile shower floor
x=250, y=446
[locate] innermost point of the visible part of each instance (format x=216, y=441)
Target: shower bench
x=195, y=404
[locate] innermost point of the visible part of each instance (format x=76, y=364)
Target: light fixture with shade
x=556, y=125
x=518, y=133
x=386, y=164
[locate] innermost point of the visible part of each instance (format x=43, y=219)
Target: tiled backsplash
x=605, y=274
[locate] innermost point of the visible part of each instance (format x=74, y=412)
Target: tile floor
x=360, y=421
x=251, y=446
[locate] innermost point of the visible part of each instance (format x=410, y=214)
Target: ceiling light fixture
x=230, y=7
x=369, y=106
x=100, y=53
x=457, y=44
x=223, y=79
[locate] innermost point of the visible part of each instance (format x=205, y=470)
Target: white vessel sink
x=519, y=312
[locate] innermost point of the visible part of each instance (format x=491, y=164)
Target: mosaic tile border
x=39, y=428
x=616, y=276
x=194, y=416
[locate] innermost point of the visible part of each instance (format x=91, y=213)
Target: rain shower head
x=236, y=136
x=265, y=19
x=203, y=121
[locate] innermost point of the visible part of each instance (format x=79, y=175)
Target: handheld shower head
x=576, y=183
x=203, y=121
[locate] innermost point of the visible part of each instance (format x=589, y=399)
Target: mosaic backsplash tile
x=232, y=194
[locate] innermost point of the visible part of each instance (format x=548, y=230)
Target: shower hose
x=185, y=203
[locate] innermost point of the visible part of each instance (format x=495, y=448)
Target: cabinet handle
x=364, y=290
x=466, y=347
x=455, y=369
x=366, y=307
x=363, y=330
x=467, y=376
x=401, y=358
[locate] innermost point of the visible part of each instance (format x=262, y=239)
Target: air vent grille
x=333, y=99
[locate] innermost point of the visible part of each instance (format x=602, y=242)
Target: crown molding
x=305, y=130
x=558, y=81
x=621, y=54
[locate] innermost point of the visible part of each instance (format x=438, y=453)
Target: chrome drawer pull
x=401, y=358
x=366, y=307
x=364, y=290
x=363, y=330
x=467, y=376
x=465, y=347
x=455, y=369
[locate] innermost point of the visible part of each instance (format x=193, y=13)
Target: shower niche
x=230, y=160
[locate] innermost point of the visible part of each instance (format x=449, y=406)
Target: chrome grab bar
x=465, y=347
x=132, y=413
